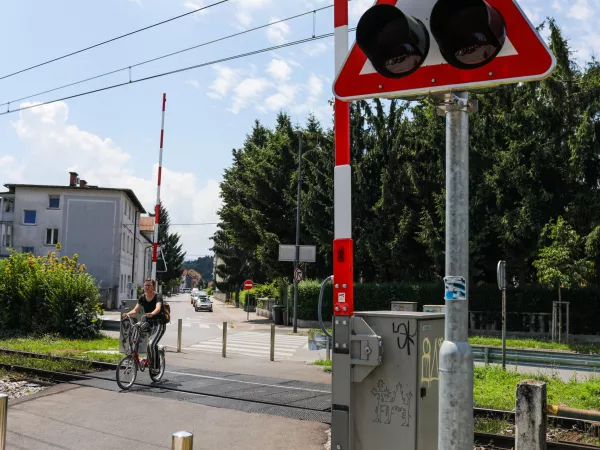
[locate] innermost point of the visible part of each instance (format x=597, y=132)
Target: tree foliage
x=534, y=151
x=172, y=252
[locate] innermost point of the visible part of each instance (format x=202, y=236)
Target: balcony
x=7, y=217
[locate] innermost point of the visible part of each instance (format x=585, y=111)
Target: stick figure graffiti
x=386, y=404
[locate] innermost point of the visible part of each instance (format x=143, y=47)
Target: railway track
x=104, y=373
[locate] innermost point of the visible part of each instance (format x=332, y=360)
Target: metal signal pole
x=456, y=358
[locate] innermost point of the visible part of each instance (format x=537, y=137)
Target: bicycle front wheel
x=156, y=376
x=126, y=372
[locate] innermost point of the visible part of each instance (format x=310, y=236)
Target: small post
x=568, y=308
x=224, y=339
x=179, y=328
x=553, y=321
x=486, y=353
x=3, y=419
x=272, y=342
x=182, y=440
x=530, y=416
x=248, y=307
x=328, y=349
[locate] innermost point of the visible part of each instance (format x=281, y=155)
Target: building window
x=51, y=236
x=122, y=242
x=29, y=217
x=27, y=249
x=54, y=202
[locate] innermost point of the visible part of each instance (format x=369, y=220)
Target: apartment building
x=101, y=225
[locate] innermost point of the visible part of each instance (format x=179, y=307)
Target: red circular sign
x=248, y=284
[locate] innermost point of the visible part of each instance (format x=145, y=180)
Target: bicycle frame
x=133, y=340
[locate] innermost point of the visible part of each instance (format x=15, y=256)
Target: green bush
x=46, y=294
x=209, y=291
x=584, y=311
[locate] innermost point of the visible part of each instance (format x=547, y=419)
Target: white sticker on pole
x=456, y=288
x=341, y=297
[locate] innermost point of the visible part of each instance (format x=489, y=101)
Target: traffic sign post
x=248, y=284
x=406, y=49
x=501, y=275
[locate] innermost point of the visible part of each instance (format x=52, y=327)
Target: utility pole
x=456, y=358
x=297, y=259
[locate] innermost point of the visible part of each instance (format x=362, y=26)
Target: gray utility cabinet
x=396, y=405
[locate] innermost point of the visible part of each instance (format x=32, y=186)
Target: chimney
x=82, y=183
x=73, y=179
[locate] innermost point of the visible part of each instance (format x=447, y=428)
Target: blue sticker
x=456, y=288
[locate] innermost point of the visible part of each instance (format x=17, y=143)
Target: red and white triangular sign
x=524, y=57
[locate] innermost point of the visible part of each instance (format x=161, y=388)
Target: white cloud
x=226, y=79
x=53, y=146
x=358, y=7
x=284, y=98
x=194, y=83
x=245, y=8
x=277, y=33
x=315, y=49
x=196, y=4
x=248, y=92
x=581, y=10
x=279, y=69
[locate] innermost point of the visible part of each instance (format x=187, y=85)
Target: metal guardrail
x=560, y=360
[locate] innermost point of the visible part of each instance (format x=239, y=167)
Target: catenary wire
x=111, y=40
x=162, y=57
x=172, y=72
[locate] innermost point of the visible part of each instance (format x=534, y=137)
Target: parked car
x=203, y=303
x=193, y=295
x=186, y=290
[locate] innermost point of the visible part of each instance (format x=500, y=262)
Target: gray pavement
x=69, y=417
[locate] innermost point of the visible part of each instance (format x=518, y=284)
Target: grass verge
x=45, y=364
x=496, y=389
x=326, y=365
x=537, y=344
x=92, y=349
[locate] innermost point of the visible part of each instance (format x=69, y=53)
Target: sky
x=111, y=138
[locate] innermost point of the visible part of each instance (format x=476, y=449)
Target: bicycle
x=131, y=363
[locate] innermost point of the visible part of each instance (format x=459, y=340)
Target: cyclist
x=151, y=302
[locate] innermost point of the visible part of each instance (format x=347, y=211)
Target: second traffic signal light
x=470, y=33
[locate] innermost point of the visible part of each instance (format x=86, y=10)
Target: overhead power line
x=112, y=40
x=163, y=56
x=172, y=72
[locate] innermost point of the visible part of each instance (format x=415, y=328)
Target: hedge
x=584, y=308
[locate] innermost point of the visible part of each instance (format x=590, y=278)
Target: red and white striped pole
x=157, y=208
x=343, y=249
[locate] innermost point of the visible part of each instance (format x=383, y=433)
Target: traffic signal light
x=469, y=33
x=395, y=43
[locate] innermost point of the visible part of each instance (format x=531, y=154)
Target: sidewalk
x=69, y=417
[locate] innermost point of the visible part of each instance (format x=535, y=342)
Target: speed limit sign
x=298, y=275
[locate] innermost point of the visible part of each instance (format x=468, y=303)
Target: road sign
x=523, y=57
x=298, y=275
x=501, y=275
x=248, y=284
x=308, y=253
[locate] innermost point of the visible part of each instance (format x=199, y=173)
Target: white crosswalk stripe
x=196, y=323
x=253, y=344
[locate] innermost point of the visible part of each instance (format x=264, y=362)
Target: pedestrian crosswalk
x=198, y=322
x=253, y=344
